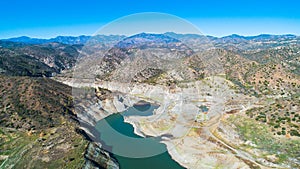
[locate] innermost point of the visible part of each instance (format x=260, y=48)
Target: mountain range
x=104, y=38
x=38, y=112
x=71, y=40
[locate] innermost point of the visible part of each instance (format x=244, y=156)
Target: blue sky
x=45, y=18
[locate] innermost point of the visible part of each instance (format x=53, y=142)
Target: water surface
x=133, y=151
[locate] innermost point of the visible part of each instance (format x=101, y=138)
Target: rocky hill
x=139, y=53
x=34, y=103
x=39, y=127
x=37, y=124
x=36, y=60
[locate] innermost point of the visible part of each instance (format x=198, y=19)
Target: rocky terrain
x=37, y=125
x=19, y=59
x=250, y=86
x=226, y=80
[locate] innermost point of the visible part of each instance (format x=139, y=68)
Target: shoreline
x=135, y=128
x=169, y=145
x=174, y=154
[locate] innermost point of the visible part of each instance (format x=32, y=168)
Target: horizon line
x=207, y=35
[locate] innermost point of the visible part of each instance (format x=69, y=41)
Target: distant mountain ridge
x=82, y=39
x=145, y=39
x=69, y=40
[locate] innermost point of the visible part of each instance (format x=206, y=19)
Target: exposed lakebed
x=131, y=150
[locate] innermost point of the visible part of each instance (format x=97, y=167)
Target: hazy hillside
x=36, y=60
x=71, y=40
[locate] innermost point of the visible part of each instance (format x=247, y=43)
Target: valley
x=234, y=104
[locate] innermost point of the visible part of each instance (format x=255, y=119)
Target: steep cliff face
x=97, y=158
x=91, y=106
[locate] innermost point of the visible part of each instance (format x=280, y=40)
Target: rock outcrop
x=97, y=158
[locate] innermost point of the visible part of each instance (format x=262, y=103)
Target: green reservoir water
x=131, y=150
